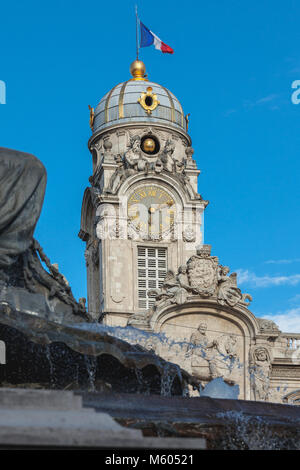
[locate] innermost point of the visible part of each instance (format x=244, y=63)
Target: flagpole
x=137, y=34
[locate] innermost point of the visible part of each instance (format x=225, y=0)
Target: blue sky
x=232, y=69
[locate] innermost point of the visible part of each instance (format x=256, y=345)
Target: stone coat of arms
x=200, y=276
x=202, y=273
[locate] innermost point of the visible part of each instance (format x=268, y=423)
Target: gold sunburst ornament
x=148, y=100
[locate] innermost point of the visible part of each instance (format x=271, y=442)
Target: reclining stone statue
x=22, y=188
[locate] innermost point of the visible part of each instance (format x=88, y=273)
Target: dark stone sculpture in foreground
x=23, y=279
x=22, y=188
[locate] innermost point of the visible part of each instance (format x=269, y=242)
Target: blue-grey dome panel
x=120, y=105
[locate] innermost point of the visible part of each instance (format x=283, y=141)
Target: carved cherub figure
x=182, y=277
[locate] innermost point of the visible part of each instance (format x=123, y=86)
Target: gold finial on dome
x=138, y=70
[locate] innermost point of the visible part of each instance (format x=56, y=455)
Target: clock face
x=151, y=210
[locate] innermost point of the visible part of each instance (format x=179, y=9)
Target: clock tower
x=142, y=215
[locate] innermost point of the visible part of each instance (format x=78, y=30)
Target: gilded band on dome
x=107, y=103
x=121, y=100
x=171, y=103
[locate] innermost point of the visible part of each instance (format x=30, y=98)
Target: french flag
x=148, y=38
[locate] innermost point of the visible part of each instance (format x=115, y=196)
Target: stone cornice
x=137, y=125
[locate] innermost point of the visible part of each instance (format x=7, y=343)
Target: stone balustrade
x=292, y=340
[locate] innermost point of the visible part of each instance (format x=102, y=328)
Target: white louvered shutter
x=152, y=269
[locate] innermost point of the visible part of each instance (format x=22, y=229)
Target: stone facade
x=147, y=266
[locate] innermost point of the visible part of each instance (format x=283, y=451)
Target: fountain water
x=56, y=355
x=244, y=432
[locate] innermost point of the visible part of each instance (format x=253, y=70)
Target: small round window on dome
x=148, y=101
x=150, y=145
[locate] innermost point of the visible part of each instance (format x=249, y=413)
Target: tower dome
x=139, y=100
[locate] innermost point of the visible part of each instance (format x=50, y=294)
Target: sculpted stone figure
x=133, y=158
x=228, y=292
x=107, y=157
x=35, y=275
x=92, y=117
x=91, y=253
x=133, y=161
x=182, y=277
x=171, y=292
x=185, y=180
x=118, y=177
x=167, y=156
x=260, y=369
x=187, y=120
x=177, y=168
x=22, y=188
x=201, y=347
x=219, y=355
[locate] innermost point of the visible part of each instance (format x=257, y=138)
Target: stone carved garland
x=201, y=276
